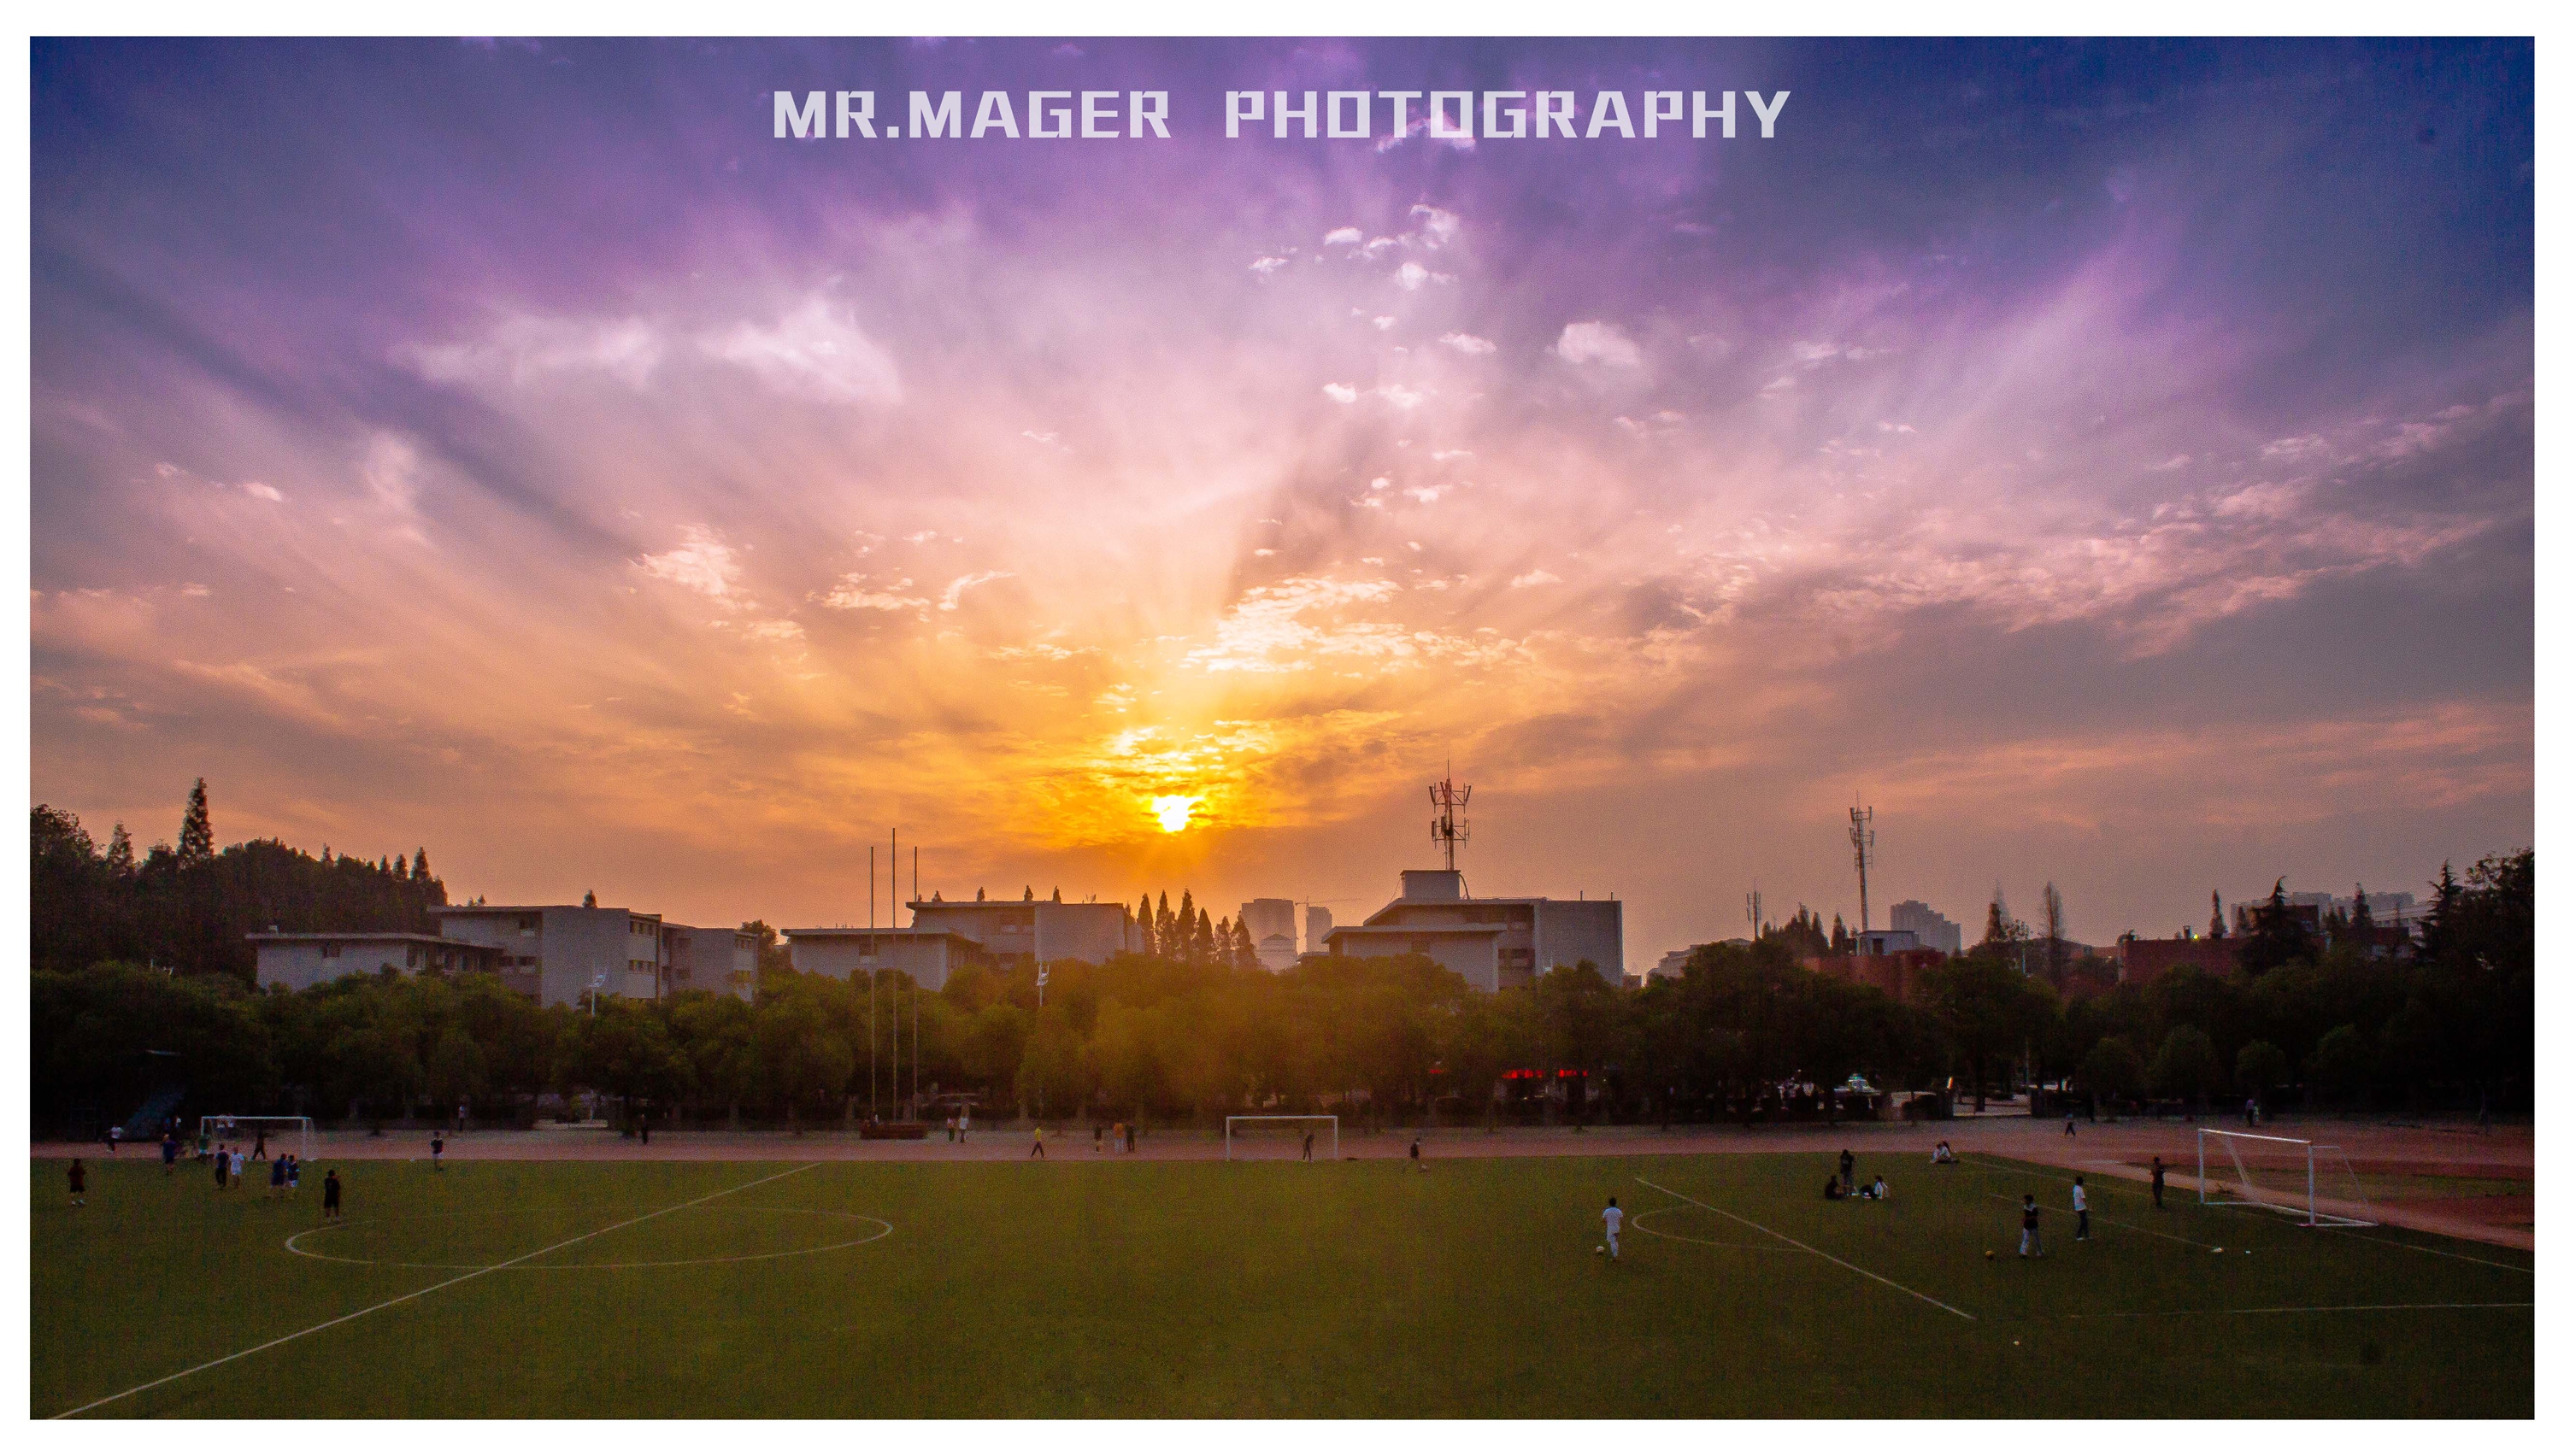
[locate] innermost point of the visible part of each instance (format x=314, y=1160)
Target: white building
x=1322, y=924
x=1493, y=942
x=1022, y=931
x=299, y=961
x=925, y=957
x=705, y=958
x=1671, y=967
x=1267, y=917
x=558, y=953
x=1931, y=929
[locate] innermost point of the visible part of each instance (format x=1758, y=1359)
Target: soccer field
x=1265, y=1289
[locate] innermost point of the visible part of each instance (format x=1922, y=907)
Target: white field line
x=1640, y=1222
x=1820, y=1253
x=2287, y=1309
x=2034, y=1171
x=431, y=1289
x=2425, y=1249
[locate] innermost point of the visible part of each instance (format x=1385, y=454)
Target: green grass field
x=1190, y=1289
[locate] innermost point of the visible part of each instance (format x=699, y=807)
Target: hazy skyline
x=2110, y=460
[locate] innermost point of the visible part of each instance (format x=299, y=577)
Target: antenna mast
x=1865, y=840
x=1449, y=830
x=1754, y=914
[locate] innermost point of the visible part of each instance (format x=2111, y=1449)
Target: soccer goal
x=1270, y=1137
x=2312, y=1183
x=282, y=1134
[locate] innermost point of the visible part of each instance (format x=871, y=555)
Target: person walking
x=2159, y=1180
x=1308, y=1146
x=1037, y=1143
x=2082, y=1213
x=966, y=1124
x=1611, y=1224
x=331, y=1191
x=80, y=1185
x=114, y=1136
x=1416, y=1156
x=436, y=1152
x=222, y=1168
x=1846, y=1160
x=2029, y=1243
x=169, y=1152
x=276, y=1177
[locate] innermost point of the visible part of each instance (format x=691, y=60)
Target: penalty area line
x=2287, y=1310
x=1820, y=1253
x=431, y=1289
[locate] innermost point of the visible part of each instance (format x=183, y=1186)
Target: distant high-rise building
x=1268, y=916
x=1933, y=930
x=1322, y=924
x=1277, y=952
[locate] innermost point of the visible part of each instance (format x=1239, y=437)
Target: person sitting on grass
x=1942, y=1152
x=1833, y=1188
x=1878, y=1188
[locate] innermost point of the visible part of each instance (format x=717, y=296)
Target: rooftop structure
x=1024, y=932
x=1493, y=942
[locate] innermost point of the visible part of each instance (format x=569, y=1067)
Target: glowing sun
x=1174, y=811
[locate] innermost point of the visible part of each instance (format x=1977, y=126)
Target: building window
x=528, y=925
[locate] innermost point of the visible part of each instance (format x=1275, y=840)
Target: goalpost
x=1258, y=1131
x=286, y=1134
x=2312, y=1183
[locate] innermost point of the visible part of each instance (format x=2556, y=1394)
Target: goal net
x=1282, y=1137
x=2311, y=1183
x=281, y=1134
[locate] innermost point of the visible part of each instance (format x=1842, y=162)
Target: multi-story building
x=1322, y=924
x=925, y=957
x=299, y=961
x=1493, y=942
x=1028, y=931
x=1266, y=918
x=1277, y=952
x=705, y=958
x=1888, y=943
x=1931, y=929
x=559, y=953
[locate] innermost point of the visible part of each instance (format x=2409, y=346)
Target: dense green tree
x=2260, y=1069
x=2110, y=1070
x=2183, y=1066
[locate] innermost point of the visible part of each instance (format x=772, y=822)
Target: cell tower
x=1754, y=914
x=1865, y=842
x=1449, y=830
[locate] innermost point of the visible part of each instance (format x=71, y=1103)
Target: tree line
x=124, y=1004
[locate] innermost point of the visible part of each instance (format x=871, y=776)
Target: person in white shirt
x=2082, y=1215
x=1878, y=1188
x=966, y=1127
x=1612, y=1225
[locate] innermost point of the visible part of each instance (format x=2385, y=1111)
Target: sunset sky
x=2111, y=461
